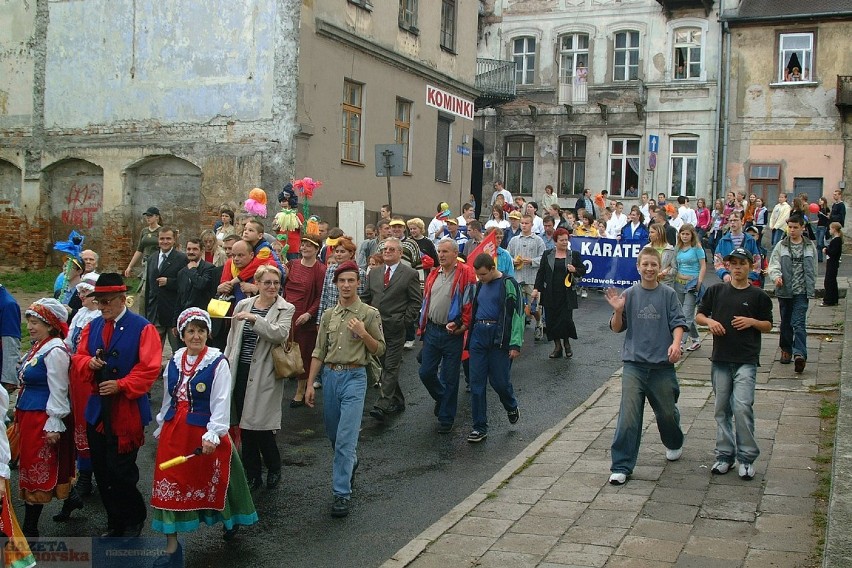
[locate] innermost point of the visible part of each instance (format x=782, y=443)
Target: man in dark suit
x=193, y=282
x=585, y=202
x=161, y=287
x=393, y=289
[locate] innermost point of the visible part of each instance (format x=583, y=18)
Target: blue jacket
x=641, y=233
x=726, y=245
x=510, y=325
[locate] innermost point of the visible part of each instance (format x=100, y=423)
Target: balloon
x=814, y=208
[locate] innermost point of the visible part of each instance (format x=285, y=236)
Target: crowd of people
x=239, y=297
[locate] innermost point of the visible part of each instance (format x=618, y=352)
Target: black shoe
x=378, y=414
x=84, y=484
x=799, y=364
x=786, y=358
x=230, y=534
x=437, y=408
x=255, y=484
x=514, y=415
x=72, y=503
x=340, y=508
x=297, y=403
x=273, y=478
x=166, y=560
x=445, y=428
x=476, y=436
x=113, y=533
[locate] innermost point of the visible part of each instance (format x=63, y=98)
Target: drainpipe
x=718, y=126
x=726, y=34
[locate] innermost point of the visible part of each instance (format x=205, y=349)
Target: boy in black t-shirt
x=736, y=313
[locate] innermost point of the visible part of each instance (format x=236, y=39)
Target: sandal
x=557, y=354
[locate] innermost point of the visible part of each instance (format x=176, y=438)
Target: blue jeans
x=777, y=235
x=488, y=363
x=659, y=385
x=820, y=237
x=445, y=350
x=794, y=336
x=688, y=304
x=343, y=406
x=733, y=384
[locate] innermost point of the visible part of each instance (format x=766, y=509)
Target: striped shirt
x=250, y=337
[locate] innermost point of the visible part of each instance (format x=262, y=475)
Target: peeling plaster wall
x=797, y=126
x=16, y=63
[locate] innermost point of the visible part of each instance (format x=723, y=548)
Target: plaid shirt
x=330, y=293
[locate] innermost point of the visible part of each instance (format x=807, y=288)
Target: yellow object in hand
x=173, y=462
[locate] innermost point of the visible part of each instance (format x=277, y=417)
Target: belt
x=487, y=322
x=681, y=280
x=343, y=366
x=436, y=323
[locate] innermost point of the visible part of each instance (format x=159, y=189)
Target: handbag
x=287, y=359
x=218, y=308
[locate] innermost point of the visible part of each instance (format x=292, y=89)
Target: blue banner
x=609, y=263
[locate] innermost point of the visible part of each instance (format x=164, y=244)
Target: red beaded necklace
x=189, y=371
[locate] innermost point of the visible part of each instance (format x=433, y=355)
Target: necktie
x=163, y=257
x=387, y=276
x=106, y=335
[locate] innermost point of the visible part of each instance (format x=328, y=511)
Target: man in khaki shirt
x=349, y=334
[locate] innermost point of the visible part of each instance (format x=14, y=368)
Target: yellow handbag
x=218, y=308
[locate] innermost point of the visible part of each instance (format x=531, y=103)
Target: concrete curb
x=838, y=539
x=407, y=554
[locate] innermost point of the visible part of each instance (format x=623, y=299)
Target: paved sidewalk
x=553, y=506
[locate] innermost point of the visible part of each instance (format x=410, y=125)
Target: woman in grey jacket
x=260, y=323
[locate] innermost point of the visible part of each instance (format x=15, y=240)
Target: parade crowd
x=249, y=306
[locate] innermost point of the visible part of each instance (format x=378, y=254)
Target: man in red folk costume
x=120, y=354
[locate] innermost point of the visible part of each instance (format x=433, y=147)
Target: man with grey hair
x=90, y=261
x=444, y=319
x=394, y=290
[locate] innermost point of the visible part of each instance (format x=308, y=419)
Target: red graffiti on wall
x=83, y=202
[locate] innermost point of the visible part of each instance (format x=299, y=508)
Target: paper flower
x=306, y=186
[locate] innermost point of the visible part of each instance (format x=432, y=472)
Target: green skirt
x=239, y=507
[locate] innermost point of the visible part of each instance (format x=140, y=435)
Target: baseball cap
x=740, y=252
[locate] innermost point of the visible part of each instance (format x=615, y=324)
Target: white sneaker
x=408, y=345
x=720, y=468
x=317, y=385
x=538, y=333
x=583, y=293
x=695, y=345
x=618, y=479
x=674, y=455
x=746, y=471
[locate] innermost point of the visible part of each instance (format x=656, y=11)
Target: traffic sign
x=463, y=150
x=652, y=161
x=653, y=143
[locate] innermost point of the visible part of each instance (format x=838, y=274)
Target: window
x=765, y=182
x=402, y=130
x=572, y=165
x=573, y=68
x=448, y=24
x=408, y=15
x=795, y=57
x=442, y=148
x=520, y=151
x=352, y=112
x=523, y=50
x=687, y=53
x=684, y=165
x=626, y=54
x=623, y=165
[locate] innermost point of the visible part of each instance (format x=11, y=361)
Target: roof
x=787, y=9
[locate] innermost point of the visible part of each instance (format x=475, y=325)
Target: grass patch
x=823, y=459
x=33, y=281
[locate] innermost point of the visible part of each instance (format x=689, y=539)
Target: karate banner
x=609, y=263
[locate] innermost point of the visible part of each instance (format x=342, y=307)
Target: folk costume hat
x=109, y=283
x=87, y=283
x=52, y=313
x=190, y=315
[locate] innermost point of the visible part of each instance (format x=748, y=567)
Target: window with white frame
x=623, y=165
x=352, y=113
x=683, y=173
x=573, y=58
x=402, y=130
x=687, y=57
x=408, y=15
x=626, y=56
x=795, y=57
x=520, y=155
x=523, y=51
x=572, y=165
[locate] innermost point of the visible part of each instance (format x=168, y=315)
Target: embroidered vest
x=121, y=356
x=198, y=390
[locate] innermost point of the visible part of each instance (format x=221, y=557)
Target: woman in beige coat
x=260, y=323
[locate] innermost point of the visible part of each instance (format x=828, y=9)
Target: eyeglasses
x=105, y=301
x=270, y=283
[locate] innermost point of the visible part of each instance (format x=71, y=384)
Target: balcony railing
x=844, y=92
x=671, y=5
x=495, y=81
x=573, y=92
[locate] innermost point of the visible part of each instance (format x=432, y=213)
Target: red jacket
x=461, y=304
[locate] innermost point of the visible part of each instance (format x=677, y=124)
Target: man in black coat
x=193, y=282
x=838, y=209
x=585, y=202
x=161, y=286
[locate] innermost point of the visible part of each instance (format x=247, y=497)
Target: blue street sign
x=653, y=143
x=463, y=150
